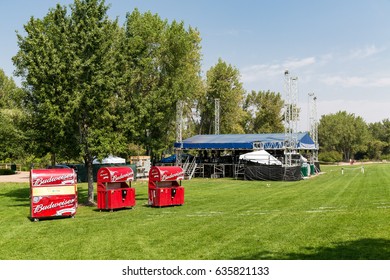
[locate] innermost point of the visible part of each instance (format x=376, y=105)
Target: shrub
x=332, y=156
x=6, y=172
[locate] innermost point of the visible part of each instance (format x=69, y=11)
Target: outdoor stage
x=218, y=156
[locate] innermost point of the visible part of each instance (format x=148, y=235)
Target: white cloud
x=325, y=59
x=382, y=82
x=356, y=81
x=370, y=110
x=299, y=63
x=261, y=71
x=344, y=81
x=365, y=52
x=254, y=72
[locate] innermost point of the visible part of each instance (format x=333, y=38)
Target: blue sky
x=340, y=50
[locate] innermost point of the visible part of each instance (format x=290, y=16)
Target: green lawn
x=330, y=216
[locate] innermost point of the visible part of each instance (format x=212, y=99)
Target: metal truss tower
x=291, y=113
x=179, y=130
x=179, y=121
x=217, y=110
x=313, y=123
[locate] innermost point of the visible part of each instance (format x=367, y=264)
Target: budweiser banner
x=115, y=174
x=50, y=206
x=49, y=177
x=166, y=173
x=53, y=192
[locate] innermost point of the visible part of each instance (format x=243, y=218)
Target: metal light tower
x=291, y=113
x=179, y=130
x=313, y=124
x=179, y=121
x=217, y=110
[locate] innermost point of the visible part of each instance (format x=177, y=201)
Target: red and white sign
x=115, y=174
x=53, y=193
x=44, y=206
x=166, y=173
x=48, y=177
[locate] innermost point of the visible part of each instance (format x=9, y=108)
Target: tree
x=160, y=65
x=11, y=96
x=380, y=143
x=67, y=62
x=93, y=86
x=43, y=63
x=223, y=82
x=11, y=136
x=344, y=133
x=11, y=117
x=264, y=110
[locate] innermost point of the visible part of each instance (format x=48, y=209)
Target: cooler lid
x=166, y=173
x=52, y=177
x=115, y=174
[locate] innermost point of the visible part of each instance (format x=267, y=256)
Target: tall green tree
x=11, y=96
x=380, y=143
x=343, y=132
x=44, y=66
x=67, y=62
x=265, y=115
x=11, y=117
x=223, y=82
x=160, y=66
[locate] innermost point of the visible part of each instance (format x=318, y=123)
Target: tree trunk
x=53, y=159
x=89, y=167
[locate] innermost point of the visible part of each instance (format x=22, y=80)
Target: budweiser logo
x=120, y=177
x=43, y=181
x=179, y=175
x=41, y=207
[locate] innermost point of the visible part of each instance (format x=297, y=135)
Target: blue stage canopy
x=269, y=141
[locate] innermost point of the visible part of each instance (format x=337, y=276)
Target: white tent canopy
x=110, y=160
x=260, y=156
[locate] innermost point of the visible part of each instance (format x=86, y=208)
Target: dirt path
x=19, y=177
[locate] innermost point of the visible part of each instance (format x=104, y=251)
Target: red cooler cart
x=53, y=193
x=165, y=186
x=113, y=192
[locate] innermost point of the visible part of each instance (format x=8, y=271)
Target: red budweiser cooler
x=113, y=190
x=53, y=193
x=164, y=186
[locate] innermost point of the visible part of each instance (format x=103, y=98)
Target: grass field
x=330, y=216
